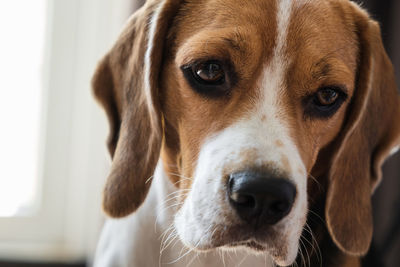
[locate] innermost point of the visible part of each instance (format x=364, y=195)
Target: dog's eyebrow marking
x=236, y=42
x=321, y=69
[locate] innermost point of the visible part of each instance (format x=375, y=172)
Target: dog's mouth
x=248, y=244
x=279, y=252
x=261, y=240
x=277, y=242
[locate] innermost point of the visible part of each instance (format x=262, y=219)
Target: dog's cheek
x=191, y=230
x=182, y=221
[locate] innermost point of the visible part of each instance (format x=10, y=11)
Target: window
x=21, y=94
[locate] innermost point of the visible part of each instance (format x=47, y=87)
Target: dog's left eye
x=325, y=102
x=209, y=78
x=326, y=97
x=209, y=73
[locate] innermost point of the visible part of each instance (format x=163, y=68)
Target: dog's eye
x=326, y=97
x=210, y=72
x=210, y=78
x=325, y=102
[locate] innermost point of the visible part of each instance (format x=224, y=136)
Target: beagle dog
x=245, y=133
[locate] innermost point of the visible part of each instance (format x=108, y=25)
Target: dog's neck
x=148, y=238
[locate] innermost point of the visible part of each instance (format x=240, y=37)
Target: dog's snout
x=260, y=198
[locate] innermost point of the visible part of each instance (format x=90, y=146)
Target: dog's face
x=254, y=99
x=247, y=97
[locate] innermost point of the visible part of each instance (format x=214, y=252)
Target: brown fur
x=136, y=132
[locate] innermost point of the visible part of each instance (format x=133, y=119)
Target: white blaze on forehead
x=272, y=86
x=272, y=83
x=283, y=19
x=274, y=76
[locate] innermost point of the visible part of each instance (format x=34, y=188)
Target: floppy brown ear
x=126, y=84
x=371, y=131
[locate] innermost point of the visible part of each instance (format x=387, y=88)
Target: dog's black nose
x=260, y=198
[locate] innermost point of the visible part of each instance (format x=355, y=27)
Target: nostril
x=279, y=207
x=276, y=209
x=243, y=200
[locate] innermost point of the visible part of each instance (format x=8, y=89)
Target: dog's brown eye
x=325, y=102
x=327, y=96
x=211, y=78
x=209, y=72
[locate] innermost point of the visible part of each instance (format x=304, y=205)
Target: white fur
x=148, y=64
x=394, y=150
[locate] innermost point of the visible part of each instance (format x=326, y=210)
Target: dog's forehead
x=262, y=13
x=311, y=28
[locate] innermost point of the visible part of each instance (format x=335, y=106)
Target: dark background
x=385, y=250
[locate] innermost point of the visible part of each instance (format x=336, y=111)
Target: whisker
x=301, y=255
x=181, y=257
x=316, y=215
x=190, y=249
x=320, y=187
x=179, y=175
x=149, y=179
x=166, y=207
x=193, y=259
x=181, y=180
x=305, y=248
x=243, y=260
x=163, y=240
x=314, y=240
x=168, y=241
x=171, y=205
x=177, y=192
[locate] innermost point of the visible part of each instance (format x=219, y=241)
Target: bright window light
x=22, y=27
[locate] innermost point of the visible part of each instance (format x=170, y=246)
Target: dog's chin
x=286, y=259
x=281, y=257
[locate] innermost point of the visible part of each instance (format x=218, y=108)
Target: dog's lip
x=245, y=236
x=249, y=244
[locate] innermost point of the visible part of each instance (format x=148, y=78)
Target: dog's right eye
x=210, y=78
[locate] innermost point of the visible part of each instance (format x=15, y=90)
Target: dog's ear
x=371, y=131
x=126, y=84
